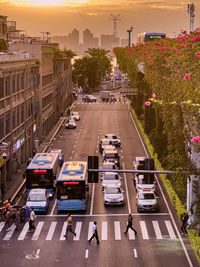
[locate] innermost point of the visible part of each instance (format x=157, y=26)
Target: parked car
x=60, y=155
x=115, y=141
x=37, y=200
x=103, y=143
x=106, y=167
x=75, y=116
x=89, y=98
x=146, y=201
x=70, y=124
x=111, y=178
x=113, y=195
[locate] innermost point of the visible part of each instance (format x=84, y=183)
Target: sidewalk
x=16, y=180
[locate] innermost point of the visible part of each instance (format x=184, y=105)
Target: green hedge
x=192, y=235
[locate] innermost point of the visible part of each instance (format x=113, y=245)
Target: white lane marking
x=117, y=230
x=63, y=231
x=162, y=193
x=37, y=231
x=86, y=254
x=2, y=225
x=10, y=232
x=170, y=230
x=131, y=235
x=144, y=230
x=157, y=230
x=104, y=231
x=24, y=231
x=127, y=195
x=54, y=205
x=72, y=151
x=92, y=201
x=77, y=231
x=90, y=230
x=51, y=230
x=135, y=252
x=38, y=252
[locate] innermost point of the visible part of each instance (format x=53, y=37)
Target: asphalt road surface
x=158, y=242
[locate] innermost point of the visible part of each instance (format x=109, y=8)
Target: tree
x=92, y=68
x=3, y=45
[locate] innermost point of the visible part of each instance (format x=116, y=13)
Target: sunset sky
x=59, y=17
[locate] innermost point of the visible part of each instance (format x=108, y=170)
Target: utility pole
x=192, y=15
x=129, y=36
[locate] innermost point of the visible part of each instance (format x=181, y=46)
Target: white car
x=75, y=116
x=115, y=141
x=108, y=148
x=140, y=184
x=37, y=200
x=70, y=124
x=106, y=167
x=111, y=178
x=146, y=201
x=113, y=195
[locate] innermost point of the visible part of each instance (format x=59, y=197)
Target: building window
x=22, y=81
x=17, y=82
x=1, y=88
x=1, y=127
x=8, y=123
x=7, y=86
x=13, y=84
x=14, y=119
x=18, y=115
x=22, y=113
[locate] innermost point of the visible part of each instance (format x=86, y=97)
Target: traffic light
x=149, y=165
x=93, y=163
x=195, y=186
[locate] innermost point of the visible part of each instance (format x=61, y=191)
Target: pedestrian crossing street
x=55, y=230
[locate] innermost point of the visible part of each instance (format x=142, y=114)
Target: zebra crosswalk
x=111, y=230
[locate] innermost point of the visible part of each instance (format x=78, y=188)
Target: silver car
x=106, y=167
x=75, y=116
x=115, y=141
x=140, y=184
x=146, y=201
x=111, y=178
x=113, y=195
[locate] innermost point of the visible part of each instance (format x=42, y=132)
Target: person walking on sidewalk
x=32, y=220
x=94, y=233
x=184, y=220
x=69, y=225
x=130, y=224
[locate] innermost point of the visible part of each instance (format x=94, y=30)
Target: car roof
x=111, y=152
x=110, y=134
x=112, y=185
x=38, y=191
x=109, y=147
x=105, y=139
x=108, y=163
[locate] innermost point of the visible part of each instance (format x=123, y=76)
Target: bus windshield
x=70, y=191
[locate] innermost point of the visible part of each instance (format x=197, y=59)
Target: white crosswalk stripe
x=37, y=231
x=144, y=230
x=10, y=232
x=24, y=231
x=170, y=229
x=104, y=231
x=117, y=230
x=78, y=231
x=51, y=230
x=104, y=228
x=157, y=230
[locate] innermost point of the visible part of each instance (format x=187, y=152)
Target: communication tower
x=115, y=19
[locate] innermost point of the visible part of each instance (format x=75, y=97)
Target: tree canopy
x=92, y=68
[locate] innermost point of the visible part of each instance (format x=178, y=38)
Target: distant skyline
x=60, y=17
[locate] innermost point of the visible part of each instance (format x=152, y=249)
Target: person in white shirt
x=94, y=233
x=32, y=220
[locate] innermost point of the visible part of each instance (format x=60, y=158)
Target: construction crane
x=115, y=19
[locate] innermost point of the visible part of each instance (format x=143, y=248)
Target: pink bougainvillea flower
x=154, y=95
x=147, y=103
x=194, y=139
x=197, y=54
x=187, y=76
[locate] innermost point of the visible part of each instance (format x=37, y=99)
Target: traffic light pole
x=138, y=171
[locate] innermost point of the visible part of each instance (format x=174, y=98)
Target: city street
x=158, y=241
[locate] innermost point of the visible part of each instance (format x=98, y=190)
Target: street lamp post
x=129, y=36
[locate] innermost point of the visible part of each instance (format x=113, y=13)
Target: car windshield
x=105, y=143
x=113, y=190
x=107, y=167
x=111, y=177
x=36, y=197
x=111, y=156
x=146, y=196
x=71, y=121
